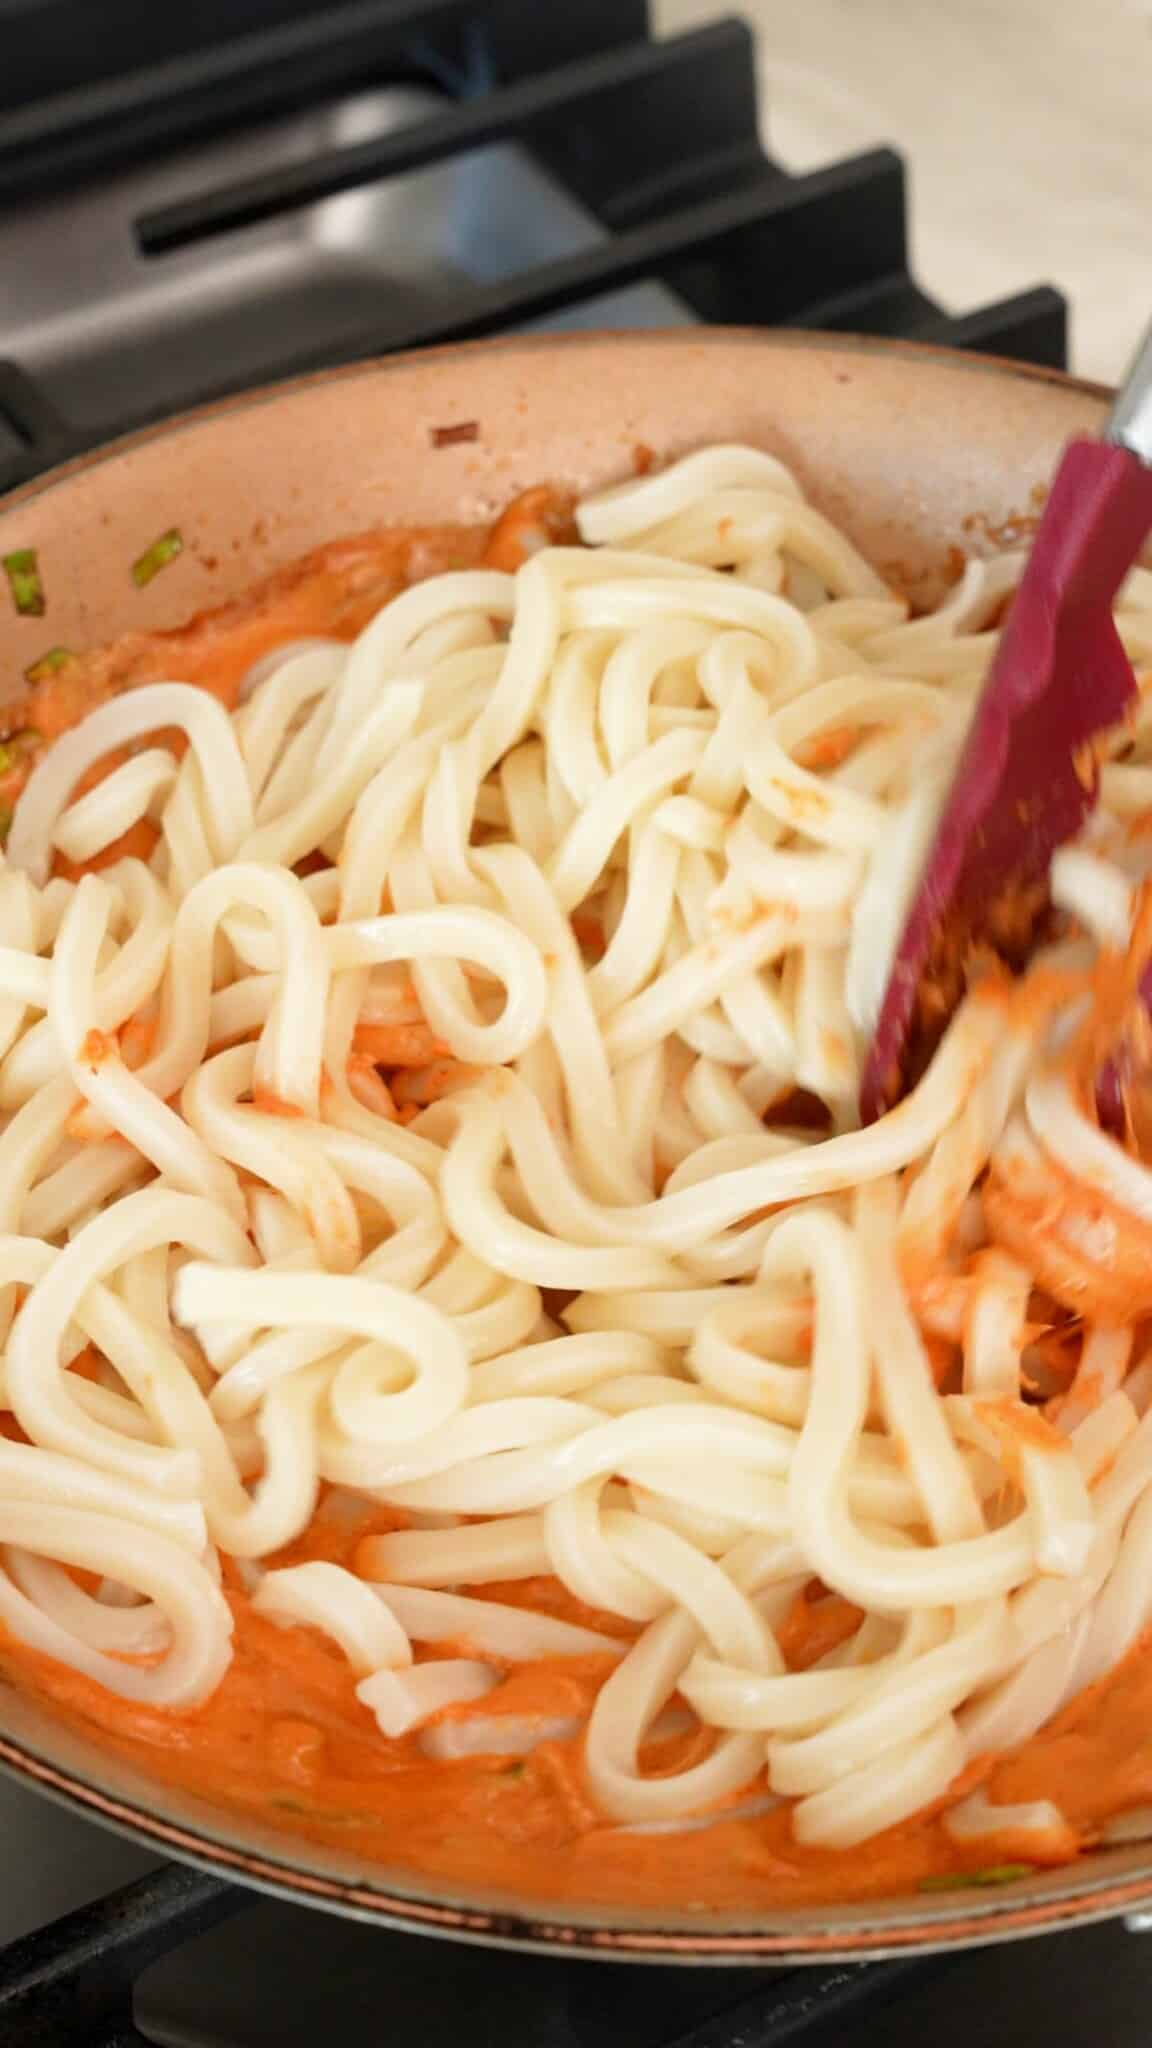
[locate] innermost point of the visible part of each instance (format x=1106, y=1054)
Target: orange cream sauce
x=284, y=1737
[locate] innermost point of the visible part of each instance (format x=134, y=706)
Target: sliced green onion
x=965, y=1880
x=56, y=658
x=5, y=823
x=17, y=748
x=157, y=557
x=23, y=572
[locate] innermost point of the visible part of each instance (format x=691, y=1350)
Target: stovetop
x=195, y=199
x=321, y=184
x=118, y=318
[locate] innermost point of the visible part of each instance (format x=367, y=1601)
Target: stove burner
x=164, y=230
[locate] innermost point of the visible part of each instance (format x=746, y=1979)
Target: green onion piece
x=5, y=823
x=18, y=747
x=56, y=658
x=23, y=572
x=966, y=1880
x=157, y=557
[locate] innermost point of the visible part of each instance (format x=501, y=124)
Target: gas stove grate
x=72, y=1984
x=659, y=141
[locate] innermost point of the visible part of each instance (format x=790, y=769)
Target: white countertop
x=1026, y=126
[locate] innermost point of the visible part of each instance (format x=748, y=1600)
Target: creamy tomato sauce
x=284, y=1736
x=285, y=1739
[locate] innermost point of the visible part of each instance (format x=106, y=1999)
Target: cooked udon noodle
x=622, y=842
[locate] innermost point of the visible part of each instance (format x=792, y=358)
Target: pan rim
x=671, y=340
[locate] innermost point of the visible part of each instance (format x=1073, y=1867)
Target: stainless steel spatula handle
x=1130, y=420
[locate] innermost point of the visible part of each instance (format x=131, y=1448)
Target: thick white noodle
x=420, y=1121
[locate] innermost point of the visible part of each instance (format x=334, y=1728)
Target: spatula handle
x=1130, y=420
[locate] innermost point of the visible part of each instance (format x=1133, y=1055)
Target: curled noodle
x=455, y=1112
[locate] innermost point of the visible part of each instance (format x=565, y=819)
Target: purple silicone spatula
x=1026, y=779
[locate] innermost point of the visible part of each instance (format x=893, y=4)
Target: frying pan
x=918, y=455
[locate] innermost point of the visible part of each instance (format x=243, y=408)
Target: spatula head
x=1027, y=776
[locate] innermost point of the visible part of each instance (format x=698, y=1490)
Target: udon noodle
x=456, y=1111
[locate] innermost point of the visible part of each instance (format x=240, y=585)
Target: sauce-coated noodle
x=437, y=1218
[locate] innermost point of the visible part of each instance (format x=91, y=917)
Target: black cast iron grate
x=72, y=1985
x=658, y=140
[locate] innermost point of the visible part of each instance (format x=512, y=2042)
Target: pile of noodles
x=603, y=1281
